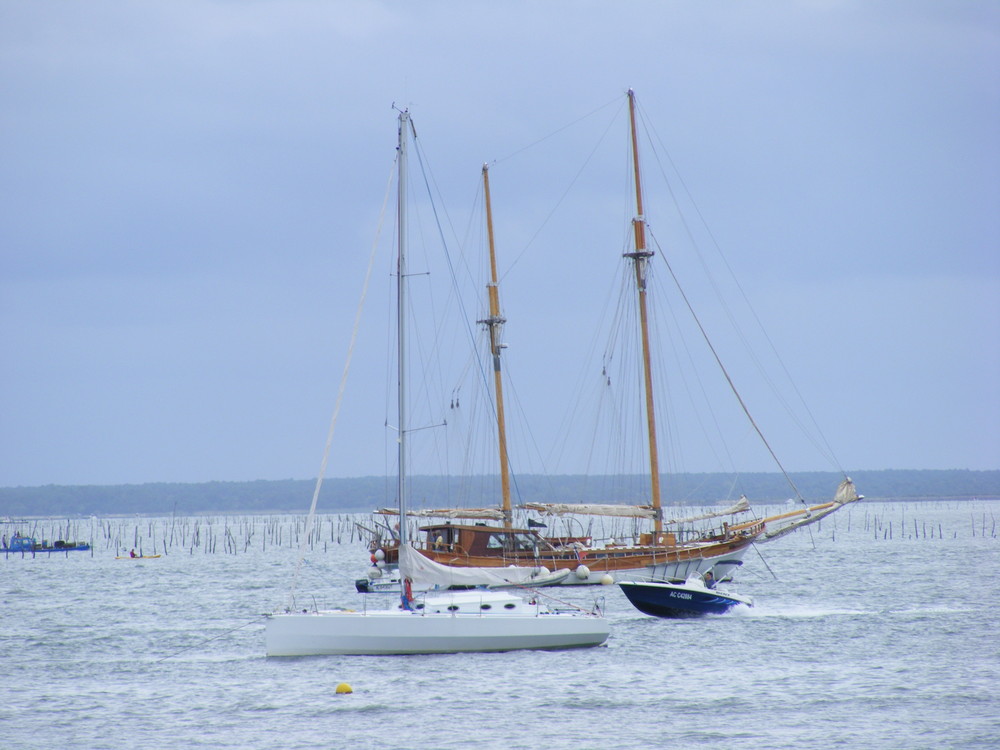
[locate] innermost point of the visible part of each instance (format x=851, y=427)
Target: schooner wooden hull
x=493, y=547
x=592, y=565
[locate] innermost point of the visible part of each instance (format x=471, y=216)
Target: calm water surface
x=857, y=640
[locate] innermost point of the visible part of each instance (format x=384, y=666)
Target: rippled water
x=857, y=641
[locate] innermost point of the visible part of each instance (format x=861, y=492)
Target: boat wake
x=800, y=612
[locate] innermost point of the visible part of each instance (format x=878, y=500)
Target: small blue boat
x=691, y=598
x=28, y=545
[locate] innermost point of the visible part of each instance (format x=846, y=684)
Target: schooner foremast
x=495, y=325
x=640, y=260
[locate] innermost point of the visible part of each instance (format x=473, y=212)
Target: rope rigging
x=815, y=435
x=729, y=379
x=340, y=397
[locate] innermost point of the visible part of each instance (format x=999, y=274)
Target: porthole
x=509, y=605
x=485, y=606
x=453, y=608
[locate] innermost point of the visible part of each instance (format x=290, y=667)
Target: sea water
x=880, y=628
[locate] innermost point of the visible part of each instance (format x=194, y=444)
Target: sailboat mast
x=495, y=323
x=640, y=257
x=404, y=123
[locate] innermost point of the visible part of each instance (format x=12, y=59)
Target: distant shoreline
x=364, y=494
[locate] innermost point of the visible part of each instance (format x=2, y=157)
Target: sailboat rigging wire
x=825, y=447
x=555, y=132
x=213, y=638
x=566, y=192
x=424, y=171
x=518, y=405
x=602, y=384
x=729, y=380
x=698, y=383
x=467, y=319
x=761, y=556
x=454, y=276
x=340, y=397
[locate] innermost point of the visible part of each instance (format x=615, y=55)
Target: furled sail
x=629, y=511
x=558, y=509
x=742, y=506
x=796, y=519
x=483, y=514
x=425, y=573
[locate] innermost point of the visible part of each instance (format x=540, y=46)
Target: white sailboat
x=479, y=620
x=476, y=620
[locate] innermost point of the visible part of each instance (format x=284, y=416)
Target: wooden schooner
x=658, y=552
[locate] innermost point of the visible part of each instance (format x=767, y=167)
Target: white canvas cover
x=629, y=511
x=558, y=509
x=425, y=573
x=481, y=514
x=741, y=507
x=845, y=494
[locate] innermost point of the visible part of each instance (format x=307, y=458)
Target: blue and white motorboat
x=692, y=598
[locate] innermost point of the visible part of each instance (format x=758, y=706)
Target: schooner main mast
x=640, y=257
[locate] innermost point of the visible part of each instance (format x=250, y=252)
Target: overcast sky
x=190, y=191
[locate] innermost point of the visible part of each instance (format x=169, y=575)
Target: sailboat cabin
x=481, y=540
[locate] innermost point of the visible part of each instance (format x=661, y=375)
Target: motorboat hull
x=675, y=600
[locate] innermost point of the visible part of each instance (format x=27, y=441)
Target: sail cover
x=846, y=493
x=629, y=511
x=487, y=514
x=741, y=507
x=559, y=509
x=426, y=573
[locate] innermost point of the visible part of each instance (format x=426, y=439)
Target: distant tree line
x=364, y=494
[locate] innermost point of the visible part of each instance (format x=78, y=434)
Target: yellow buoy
x=343, y=689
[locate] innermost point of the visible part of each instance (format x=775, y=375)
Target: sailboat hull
x=451, y=622
x=402, y=632
x=677, y=600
